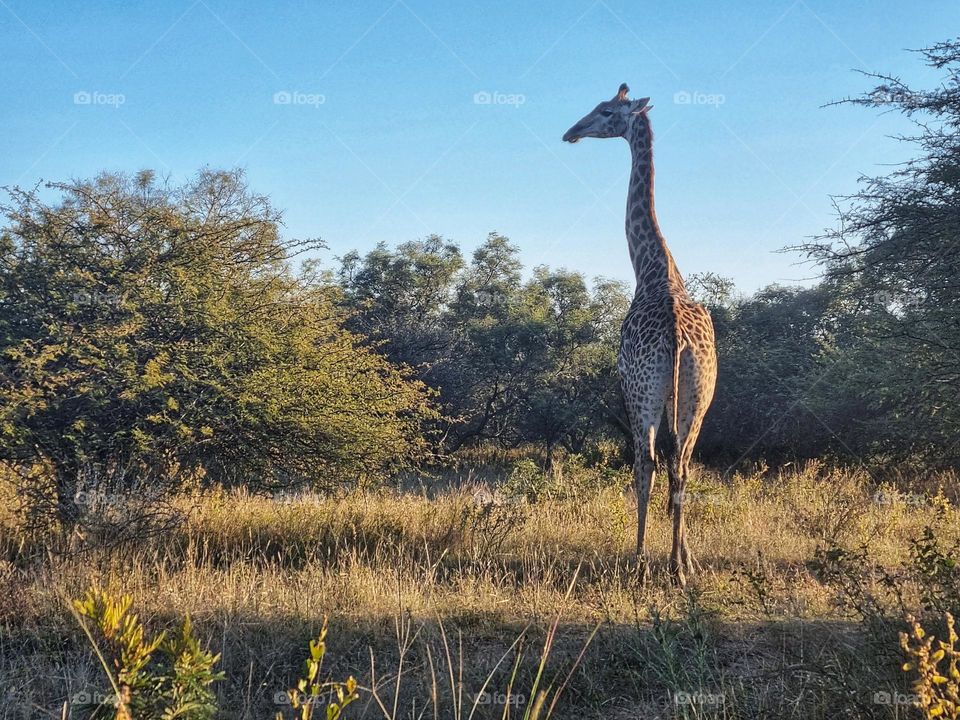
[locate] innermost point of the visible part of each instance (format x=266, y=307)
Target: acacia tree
x=775, y=351
x=163, y=329
x=895, y=257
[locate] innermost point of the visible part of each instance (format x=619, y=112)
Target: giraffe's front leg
x=644, y=465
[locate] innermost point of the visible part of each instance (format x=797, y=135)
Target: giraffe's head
x=611, y=118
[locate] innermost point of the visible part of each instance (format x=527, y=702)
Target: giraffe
x=667, y=359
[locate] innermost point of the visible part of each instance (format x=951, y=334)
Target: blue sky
x=383, y=137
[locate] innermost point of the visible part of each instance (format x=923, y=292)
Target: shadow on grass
x=689, y=667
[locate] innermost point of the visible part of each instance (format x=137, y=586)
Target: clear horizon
x=392, y=120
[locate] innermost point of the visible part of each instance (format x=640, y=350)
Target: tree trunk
x=68, y=506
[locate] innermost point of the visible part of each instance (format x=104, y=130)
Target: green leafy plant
x=526, y=482
x=160, y=677
x=159, y=328
x=936, y=571
x=311, y=692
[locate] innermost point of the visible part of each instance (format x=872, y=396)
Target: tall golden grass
x=445, y=565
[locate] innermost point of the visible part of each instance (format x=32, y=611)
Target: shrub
x=526, y=482
x=311, y=692
x=163, y=329
x=145, y=686
x=937, y=685
x=570, y=477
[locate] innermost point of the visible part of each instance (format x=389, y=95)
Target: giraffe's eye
x=606, y=113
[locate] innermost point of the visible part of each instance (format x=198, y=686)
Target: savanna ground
x=436, y=578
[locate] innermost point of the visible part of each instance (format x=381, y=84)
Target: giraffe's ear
x=639, y=106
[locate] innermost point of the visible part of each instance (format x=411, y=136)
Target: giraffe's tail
x=678, y=347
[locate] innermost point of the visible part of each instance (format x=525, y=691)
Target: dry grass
x=258, y=576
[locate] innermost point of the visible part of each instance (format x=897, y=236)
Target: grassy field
x=429, y=584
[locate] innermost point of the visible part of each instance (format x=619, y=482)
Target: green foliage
x=774, y=349
x=936, y=571
x=513, y=362
x=170, y=676
x=568, y=477
x=526, y=481
x=191, y=674
x=177, y=684
x=163, y=329
x=893, y=262
x=311, y=692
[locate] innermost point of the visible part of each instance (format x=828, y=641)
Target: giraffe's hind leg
x=696, y=383
x=676, y=501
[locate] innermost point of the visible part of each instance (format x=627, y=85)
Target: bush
x=162, y=330
x=145, y=686
x=937, y=685
x=569, y=477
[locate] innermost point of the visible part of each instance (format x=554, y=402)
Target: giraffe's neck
x=653, y=265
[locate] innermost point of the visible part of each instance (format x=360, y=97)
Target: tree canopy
x=165, y=327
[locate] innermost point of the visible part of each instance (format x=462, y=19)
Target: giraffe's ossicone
x=668, y=358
